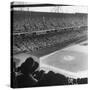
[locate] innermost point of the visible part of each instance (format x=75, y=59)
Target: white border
x=5, y=44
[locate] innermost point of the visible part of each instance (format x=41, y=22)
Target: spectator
x=26, y=79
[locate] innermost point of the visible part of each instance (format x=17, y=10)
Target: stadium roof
x=37, y=5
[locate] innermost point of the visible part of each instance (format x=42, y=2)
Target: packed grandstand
x=25, y=21
x=36, y=30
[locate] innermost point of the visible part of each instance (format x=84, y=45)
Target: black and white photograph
x=49, y=44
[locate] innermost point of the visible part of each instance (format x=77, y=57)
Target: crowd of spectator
x=27, y=76
x=36, y=21
x=26, y=42
x=24, y=21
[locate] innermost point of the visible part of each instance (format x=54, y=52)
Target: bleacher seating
x=35, y=43
x=24, y=21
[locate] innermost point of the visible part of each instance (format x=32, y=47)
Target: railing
x=50, y=30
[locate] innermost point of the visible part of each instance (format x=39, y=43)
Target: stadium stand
x=25, y=21
x=37, y=42
x=33, y=31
